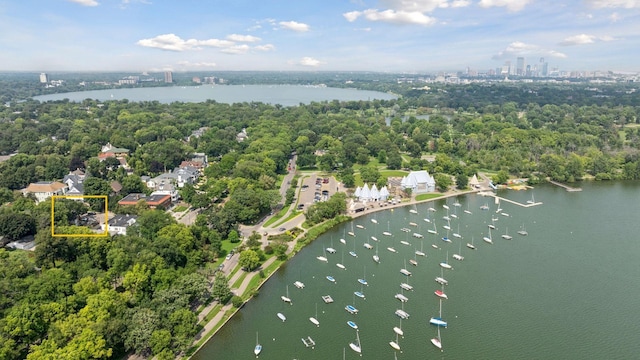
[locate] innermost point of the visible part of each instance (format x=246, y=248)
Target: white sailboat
x=459, y=256
x=404, y=270
x=323, y=257
x=440, y=279
x=470, y=245
x=532, y=201
x=353, y=252
x=506, y=235
x=398, y=329
x=394, y=344
x=342, y=240
x=299, y=284
x=330, y=249
x=286, y=299
x=457, y=234
x=258, y=348
x=314, y=320
x=340, y=265
x=445, y=264
x=488, y=239
x=434, y=230
x=376, y=258
x=363, y=281
x=421, y=251
x=282, y=317
x=436, y=340
x=388, y=232
x=356, y=346
x=522, y=231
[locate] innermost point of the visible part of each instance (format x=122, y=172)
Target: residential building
x=74, y=181
x=118, y=224
x=242, y=135
x=43, y=190
x=153, y=201
x=44, y=78
x=179, y=177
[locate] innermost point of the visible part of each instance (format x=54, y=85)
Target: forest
x=92, y=298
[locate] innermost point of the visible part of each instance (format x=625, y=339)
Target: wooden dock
x=566, y=187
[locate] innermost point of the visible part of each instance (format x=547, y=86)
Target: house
x=74, y=181
x=153, y=201
x=242, y=135
x=110, y=151
x=118, y=224
x=116, y=187
x=178, y=177
x=197, y=133
x=43, y=190
x=198, y=161
x=419, y=182
x=167, y=189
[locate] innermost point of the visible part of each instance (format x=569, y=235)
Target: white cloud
x=86, y=2
x=415, y=5
x=391, y=16
x=518, y=48
x=294, y=26
x=584, y=39
x=243, y=38
x=627, y=4
x=188, y=64
x=308, y=61
x=460, y=3
x=236, y=49
x=512, y=5
x=615, y=17
x=265, y=47
x=172, y=42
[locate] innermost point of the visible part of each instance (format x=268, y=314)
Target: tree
x=233, y=237
x=462, y=181
x=151, y=221
x=96, y=186
x=443, y=181
x=17, y=225
x=249, y=260
x=221, y=291
x=369, y=174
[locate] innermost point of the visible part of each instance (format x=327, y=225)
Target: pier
x=510, y=201
x=566, y=187
x=308, y=342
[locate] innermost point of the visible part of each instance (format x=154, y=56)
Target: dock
x=327, y=299
x=566, y=187
x=509, y=201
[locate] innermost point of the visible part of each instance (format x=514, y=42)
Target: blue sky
x=328, y=35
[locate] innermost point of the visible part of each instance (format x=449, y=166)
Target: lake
x=568, y=290
x=286, y=95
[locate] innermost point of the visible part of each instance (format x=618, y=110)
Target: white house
x=43, y=190
x=419, y=182
x=118, y=224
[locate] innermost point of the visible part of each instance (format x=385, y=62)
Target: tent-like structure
x=419, y=182
x=474, y=181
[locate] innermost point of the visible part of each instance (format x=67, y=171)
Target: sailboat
x=440, y=293
x=340, y=264
x=394, y=344
x=401, y=297
x=506, y=235
x=421, y=251
x=258, y=348
x=471, y=246
x=352, y=325
x=281, y=317
x=401, y=313
x=351, y=233
x=488, y=239
x=398, y=329
x=437, y=321
x=286, y=299
x=414, y=261
x=404, y=270
x=387, y=233
x=532, y=201
x=323, y=257
x=522, y=231
x=314, y=320
x=353, y=252
x=457, y=234
x=330, y=249
x=436, y=340
x=363, y=281
x=356, y=346
x=467, y=211
x=376, y=258
x=459, y=256
x=441, y=280
x=434, y=230
x=445, y=264
x=342, y=240
x=406, y=286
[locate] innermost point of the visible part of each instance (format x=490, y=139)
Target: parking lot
x=316, y=188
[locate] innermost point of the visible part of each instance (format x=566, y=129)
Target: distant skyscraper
x=168, y=77
x=520, y=66
x=545, y=69
x=44, y=78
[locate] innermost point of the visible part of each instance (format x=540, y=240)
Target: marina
x=504, y=324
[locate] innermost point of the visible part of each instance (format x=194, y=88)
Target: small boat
x=363, y=281
x=314, y=320
x=351, y=309
x=398, y=329
x=413, y=211
x=522, y=231
x=454, y=216
x=406, y=286
x=445, y=206
x=327, y=299
x=440, y=279
x=436, y=340
x=427, y=220
x=351, y=233
x=376, y=258
x=402, y=314
x=506, y=235
x=331, y=250
x=406, y=229
x=374, y=221
x=488, y=239
x=281, y=317
x=343, y=241
x=392, y=249
x=258, y=349
x=356, y=346
x=419, y=236
x=446, y=217
x=353, y=253
x=360, y=226
x=299, y=284
x=440, y=294
x=470, y=245
x=445, y=264
x=401, y=297
x=437, y=321
x=286, y=299
x=484, y=207
x=411, y=224
x=359, y=294
x=457, y=234
x=405, y=243
x=352, y=325
x=374, y=238
x=340, y=265
x=413, y=262
x=434, y=246
x=431, y=209
x=448, y=227
x=459, y=256
x=405, y=272
x=386, y=233
x=368, y=246
x=323, y=257
x=331, y=278
x=394, y=344
x=467, y=212
x=532, y=201
x=446, y=239
x=457, y=204
x=505, y=214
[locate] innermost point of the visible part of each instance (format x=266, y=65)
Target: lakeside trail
x=297, y=221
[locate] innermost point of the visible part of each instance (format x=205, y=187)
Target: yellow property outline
x=106, y=214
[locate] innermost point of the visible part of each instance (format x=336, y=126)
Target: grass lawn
x=291, y=216
x=422, y=197
x=179, y=209
x=277, y=216
x=393, y=173
x=228, y=246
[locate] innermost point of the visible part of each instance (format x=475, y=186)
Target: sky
x=306, y=35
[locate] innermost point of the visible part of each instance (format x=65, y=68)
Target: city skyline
x=357, y=35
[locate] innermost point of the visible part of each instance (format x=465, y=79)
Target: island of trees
x=80, y=297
